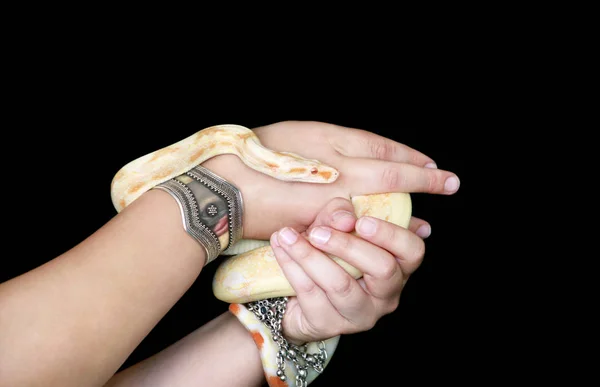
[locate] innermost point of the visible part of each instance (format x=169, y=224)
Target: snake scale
x=251, y=272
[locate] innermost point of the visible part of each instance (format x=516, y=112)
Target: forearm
x=220, y=353
x=74, y=320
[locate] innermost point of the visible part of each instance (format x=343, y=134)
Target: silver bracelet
x=271, y=312
x=211, y=209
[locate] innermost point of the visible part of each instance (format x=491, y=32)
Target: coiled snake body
x=252, y=272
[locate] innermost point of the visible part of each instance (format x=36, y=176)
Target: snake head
x=307, y=170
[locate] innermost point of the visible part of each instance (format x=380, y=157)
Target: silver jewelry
x=233, y=197
x=271, y=311
x=211, y=209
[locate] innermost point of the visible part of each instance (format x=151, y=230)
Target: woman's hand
x=328, y=301
x=368, y=164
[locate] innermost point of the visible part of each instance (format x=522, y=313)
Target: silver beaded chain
x=271, y=311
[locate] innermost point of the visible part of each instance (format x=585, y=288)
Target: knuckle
x=433, y=181
x=416, y=158
x=411, y=252
x=310, y=329
x=370, y=322
x=301, y=250
x=392, y=305
x=342, y=288
x=306, y=287
x=343, y=242
x=339, y=203
x=419, y=251
x=390, y=231
x=391, y=178
x=387, y=270
x=349, y=327
x=381, y=149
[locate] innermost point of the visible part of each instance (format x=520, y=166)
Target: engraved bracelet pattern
x=230, y=193
x=211, y=209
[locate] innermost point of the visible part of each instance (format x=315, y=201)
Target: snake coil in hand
x=252, y=274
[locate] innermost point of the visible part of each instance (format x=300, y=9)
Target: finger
x=367, y=176
x=338, y=213
x=406, y=246
x=313, y=301
x=381, y=272
x=364, y=144
x=420, y=227
x=345, y=294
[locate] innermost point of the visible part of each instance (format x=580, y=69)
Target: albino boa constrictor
x=252, y=273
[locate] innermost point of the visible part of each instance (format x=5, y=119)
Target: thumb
x=338, y=214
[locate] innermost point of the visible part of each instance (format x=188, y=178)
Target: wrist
x=219, y=353
x=163, y=217
x=211, y=208
x=231, y=168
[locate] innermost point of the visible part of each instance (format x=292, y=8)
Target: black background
x=82, y=122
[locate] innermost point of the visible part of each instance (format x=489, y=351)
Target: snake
x=249, y=271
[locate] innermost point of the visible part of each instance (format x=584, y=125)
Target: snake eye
x=314, y=171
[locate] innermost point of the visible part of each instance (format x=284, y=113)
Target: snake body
x=252, y=272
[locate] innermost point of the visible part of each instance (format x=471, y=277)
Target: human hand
x=368, y=164
x=329, y=301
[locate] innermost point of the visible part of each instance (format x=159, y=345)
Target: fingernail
x=424, y=231
x=431, y=166
x=367, y=226
x=288, y=236
x=320, y=235
x=451, y=184
x=341, y=214
x=274, y=240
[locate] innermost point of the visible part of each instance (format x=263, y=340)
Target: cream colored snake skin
x=252, y=272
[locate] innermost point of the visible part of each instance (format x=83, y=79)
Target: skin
x=367, y=163
x=203, y=357
x=329, y=301
x=74, y=320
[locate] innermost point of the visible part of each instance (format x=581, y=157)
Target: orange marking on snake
x=325, y=174
x=163, y=174
x=275, y=381
x=212, y=130
x=196, y=155
x=136, y=187
x=162, y=152
x=258, y=339
x=234, y=308
x=297, y=170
